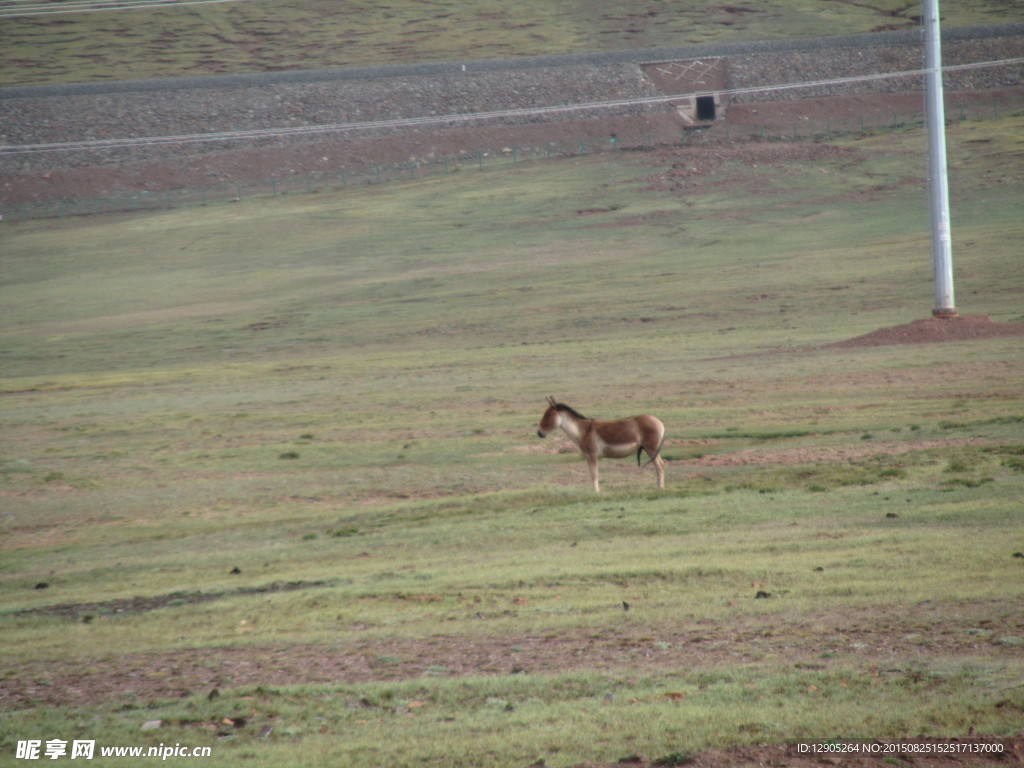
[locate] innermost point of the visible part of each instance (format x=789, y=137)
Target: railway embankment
x=290, y=122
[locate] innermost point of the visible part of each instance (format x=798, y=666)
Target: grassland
x=284, y=449
x=311, y=34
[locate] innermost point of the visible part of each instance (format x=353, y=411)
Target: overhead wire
x=410, y=122
x=21, y=8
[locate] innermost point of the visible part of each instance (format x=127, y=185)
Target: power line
x=409, y=122
x=16, y=8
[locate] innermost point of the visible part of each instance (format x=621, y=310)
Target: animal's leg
x=653, y=444
x=592, y=464
x=659, y=464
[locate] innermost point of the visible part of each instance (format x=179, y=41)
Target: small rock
x=152, y=725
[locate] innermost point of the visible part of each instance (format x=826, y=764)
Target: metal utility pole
x=938, y=182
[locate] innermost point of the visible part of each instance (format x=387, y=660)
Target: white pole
x=938, y=183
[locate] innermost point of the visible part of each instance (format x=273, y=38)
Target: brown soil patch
x=882, y=639
x=824, y=454
x=935, y=329
x=358, y=154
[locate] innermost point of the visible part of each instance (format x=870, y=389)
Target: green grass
x=312, y=34
x=285, y=448
x=515, y=720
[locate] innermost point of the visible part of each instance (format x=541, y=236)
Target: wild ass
x=607, y=439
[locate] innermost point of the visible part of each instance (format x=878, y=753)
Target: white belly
x=620, y=451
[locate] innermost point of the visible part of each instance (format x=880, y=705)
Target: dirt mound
x=935, y=329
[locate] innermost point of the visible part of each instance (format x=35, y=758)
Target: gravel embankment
x=185, y=106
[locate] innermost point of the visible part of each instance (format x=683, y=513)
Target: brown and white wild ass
x=607, y=439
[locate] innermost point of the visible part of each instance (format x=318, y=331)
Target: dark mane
x=571, y=411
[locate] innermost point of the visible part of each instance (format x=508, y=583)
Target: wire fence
x=508, y=157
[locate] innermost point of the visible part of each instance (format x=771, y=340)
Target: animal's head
x=549, y=421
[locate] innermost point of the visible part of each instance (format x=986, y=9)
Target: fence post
x=273, y=187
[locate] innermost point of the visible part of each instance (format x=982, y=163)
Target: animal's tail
x=655, y=455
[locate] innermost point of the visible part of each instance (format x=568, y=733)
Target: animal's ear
x=551, y=401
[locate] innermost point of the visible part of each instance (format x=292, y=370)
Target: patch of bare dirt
x=935, y=329
x=882, y=640
x=353, y=153
x=825, y=454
